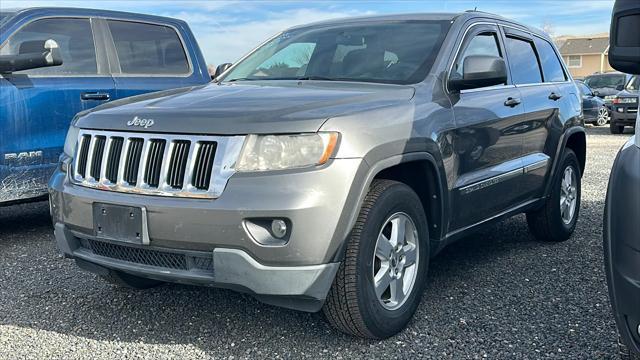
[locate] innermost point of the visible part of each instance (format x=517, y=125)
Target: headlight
x=278, y=152
x=71, y=140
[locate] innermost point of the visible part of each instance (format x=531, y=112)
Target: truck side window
x=481, y=44
x=74, y=37
x=523, y=61
x=551, y=66
x=148, y=49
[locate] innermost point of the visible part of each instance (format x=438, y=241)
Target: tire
x=352, y=305
x=616, y=129
x=549, y=223
x=603, y=117
x=125, y=280
x=625, y=352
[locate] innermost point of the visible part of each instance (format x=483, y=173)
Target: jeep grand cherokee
x=323, y=170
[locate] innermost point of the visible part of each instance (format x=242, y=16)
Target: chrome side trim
x=535, y=166
x=491, y=181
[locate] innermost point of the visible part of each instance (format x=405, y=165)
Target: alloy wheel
x=568, y=195
x=395, y=262
x=603, y=117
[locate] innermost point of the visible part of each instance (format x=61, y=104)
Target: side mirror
x=221, y=69
x=595, y=93
x=48, y=54
x=624, y=42
x=480, y=71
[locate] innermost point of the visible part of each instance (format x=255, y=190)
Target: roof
x=55, y=11
x=435, y=16
x=585, y=46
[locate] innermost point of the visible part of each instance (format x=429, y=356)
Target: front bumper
x=317, y=203
x=625, y=117
x=622, y=243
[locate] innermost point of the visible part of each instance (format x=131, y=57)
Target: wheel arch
x=574, y=138
x=397, y=168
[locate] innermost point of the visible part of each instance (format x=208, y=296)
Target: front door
x=488, y=141
x=37, y=105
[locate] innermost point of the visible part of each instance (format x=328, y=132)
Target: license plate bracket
x=120, y=223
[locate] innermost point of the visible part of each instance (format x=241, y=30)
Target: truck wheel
x=123, y=279
x=616, y=129
x=557, y=219
x=380, y=282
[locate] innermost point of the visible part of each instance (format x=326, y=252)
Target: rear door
x=148, y=57
x=37, y=105
x=541, y=100
x=488, y=143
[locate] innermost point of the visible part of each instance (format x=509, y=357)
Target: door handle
x=555, y=97
x=512, y=102
x=94, y=96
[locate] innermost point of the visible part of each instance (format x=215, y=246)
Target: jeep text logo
x=137, y=121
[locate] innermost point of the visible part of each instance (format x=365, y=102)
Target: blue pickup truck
x=56, y=62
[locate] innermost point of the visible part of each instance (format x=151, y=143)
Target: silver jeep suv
x=323, y=170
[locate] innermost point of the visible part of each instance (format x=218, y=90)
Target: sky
x=226, y=30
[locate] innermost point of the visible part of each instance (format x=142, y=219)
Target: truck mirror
x=221, y=69
x=624, y=42
x=49, y=55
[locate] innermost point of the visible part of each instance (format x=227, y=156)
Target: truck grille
x=164, y=259
x=155, y=164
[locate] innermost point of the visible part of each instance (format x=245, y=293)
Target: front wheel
x=380, y=282
x=616, y=129
x=557, y=219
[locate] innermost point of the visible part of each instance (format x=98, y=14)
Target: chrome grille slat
x=178, y=164
x=132, y=164
x=98, y=152
x=113, y=159
x=155, y=164
x=152, y=170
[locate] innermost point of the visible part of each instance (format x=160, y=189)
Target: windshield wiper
x=314, y=77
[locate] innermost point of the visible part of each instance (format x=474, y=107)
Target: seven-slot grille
x=154, y=164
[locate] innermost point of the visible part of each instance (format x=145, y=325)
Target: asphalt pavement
x=497, y=294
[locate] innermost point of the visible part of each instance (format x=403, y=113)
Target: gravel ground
x=497, y=294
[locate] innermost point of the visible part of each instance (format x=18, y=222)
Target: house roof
x=584, y=46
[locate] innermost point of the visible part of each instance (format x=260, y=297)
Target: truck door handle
x=512, y=102
x=94, y=96
x=555, y=97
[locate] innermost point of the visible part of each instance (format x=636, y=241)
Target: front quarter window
x=399, y=52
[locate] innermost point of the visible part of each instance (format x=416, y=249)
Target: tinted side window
x=523, y=61
x=551, y=66
x=74, y=37
x=148, y=49
x=481, y=44
x=584, y=89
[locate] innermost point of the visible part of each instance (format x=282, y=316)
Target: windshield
x=399, y=52
x=605, y=81
x=633, y=84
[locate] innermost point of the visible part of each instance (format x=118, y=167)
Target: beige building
x=586, y=55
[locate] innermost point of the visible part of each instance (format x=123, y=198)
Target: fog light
x=279, y=228
x=621, y=110
x=638, y=329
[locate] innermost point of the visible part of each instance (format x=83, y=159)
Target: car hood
x=233, y=109
x=605, y=91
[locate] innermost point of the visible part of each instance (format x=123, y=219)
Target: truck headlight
x=71, y=141
x=278, y=152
